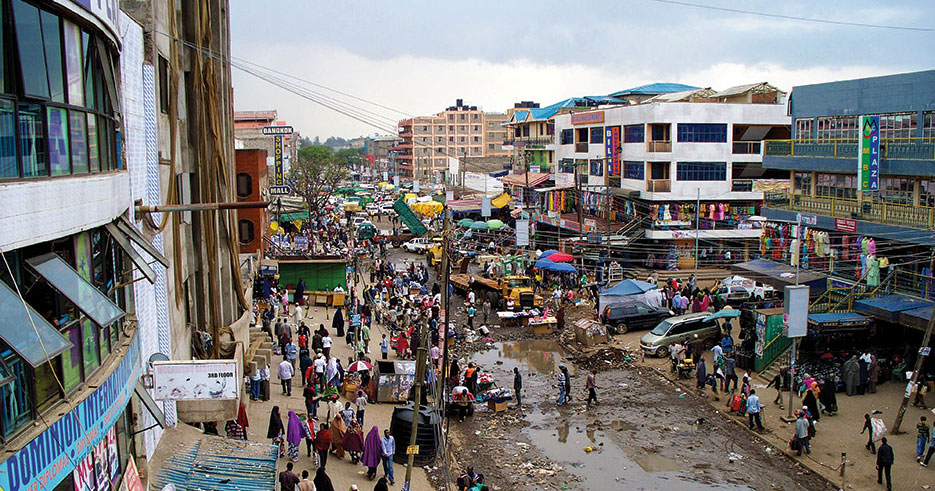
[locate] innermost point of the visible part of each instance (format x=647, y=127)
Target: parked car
x=418, y=245
x=737, y=289
x=628, y=316
x=680, y=329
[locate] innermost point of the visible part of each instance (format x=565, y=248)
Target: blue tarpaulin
x=902, y=309
x=628, y=287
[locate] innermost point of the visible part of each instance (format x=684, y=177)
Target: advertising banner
x=44, y=462
x=522, y=232
x=868, y=166
x=196, y=380
x=612, y=149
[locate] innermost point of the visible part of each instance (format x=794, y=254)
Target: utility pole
x=580, y=200
x=795, y=340
x=697, y=223
x=417, y=403
x=920, y=359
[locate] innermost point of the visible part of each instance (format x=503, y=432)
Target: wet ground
x=645, y=433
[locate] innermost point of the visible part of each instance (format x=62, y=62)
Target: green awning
x=299, y=215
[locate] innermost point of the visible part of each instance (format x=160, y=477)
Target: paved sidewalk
x=342, y=473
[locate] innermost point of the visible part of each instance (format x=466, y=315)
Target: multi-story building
x=821, y=160
x=251, y=185
x=79, y=280
x=656, y=159
x=458, y=131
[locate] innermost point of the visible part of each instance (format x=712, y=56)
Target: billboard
x=868, y=166
x=277, y=160
x=196, y=380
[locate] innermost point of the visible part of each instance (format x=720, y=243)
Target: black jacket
x=885, y=454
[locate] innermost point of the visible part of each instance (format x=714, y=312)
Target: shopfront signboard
x=868, y=167
x=845, y=225
x=196, y=380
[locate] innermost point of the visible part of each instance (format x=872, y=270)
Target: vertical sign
x=415, y=186
x=277, y=159
x=869, y=158
x=485, y=207
x=522, y=233
x=612, y=149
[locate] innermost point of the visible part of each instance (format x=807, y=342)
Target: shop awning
x=124, y=243
x=779, y=275
x=535, y=179
x=147, y=401
x=36, y=346
x=134, y=235
x=839, y=321
x=83, y=294
x=500, y=201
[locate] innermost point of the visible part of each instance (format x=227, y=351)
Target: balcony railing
x=741, y=185
x=658, y=186
x=581, y=147
x=890, y=148
x=879, y=211
x=659, y=146
x=746, y=148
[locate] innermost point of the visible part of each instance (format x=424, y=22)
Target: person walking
x=801, y=434
x=361, y=403
x=928, y=455
x=518, y=386
x=384, y=347
x=868, y=427
x=561, y=387
x=305, y=484
x=388, y=445
x=285, y=376
x=753, y=410
x=486, y=307
x=591, y=385
x=287, y=479
x=922, y=439
x=564, y=370
x=885, y=460
x=322, y=444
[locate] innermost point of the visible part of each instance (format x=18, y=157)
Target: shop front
x=89, y=447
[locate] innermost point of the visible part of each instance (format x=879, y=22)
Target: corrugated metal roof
x=683, y=95
x=654, y=89
x=218, y=464
x=535, y=179
x=742, y=89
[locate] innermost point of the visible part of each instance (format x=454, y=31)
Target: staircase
x=783, y=360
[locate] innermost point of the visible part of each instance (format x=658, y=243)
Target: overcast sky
x=417, y=57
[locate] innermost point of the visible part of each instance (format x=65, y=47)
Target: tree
x=316, y=174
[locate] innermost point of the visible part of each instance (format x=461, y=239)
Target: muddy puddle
x=614, y=459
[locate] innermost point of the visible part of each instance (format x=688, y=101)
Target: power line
x=793, y=17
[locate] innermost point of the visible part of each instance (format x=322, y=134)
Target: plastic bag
x=879, y=428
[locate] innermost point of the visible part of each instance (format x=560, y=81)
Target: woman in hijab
x=338, y=429
x=338, y=323
x=811, y=402
x=275, y=430
x=294, y=435
x=322, y=481
x=701, y=373
x=353, y=441
x=828, y=397
x=373, y=452
x=382, y=485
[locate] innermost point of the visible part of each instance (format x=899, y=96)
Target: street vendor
x=462, y=399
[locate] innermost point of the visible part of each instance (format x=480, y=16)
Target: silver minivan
x=679, y=329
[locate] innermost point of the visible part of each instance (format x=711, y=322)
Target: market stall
x=394, y=379
x=589, y=332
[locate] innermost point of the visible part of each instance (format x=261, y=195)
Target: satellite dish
x=157, y=357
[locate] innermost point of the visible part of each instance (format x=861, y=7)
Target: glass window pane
x=58, y=142
x=8, y=167
x=89, y=347
x=32, y=141
x=46, y=386
x=79, y=142
x=106, y=147
x=16, y=329
x=71, y=360
x=89, y=99
x=94, y=162
x=29, y=43
x=3, y=48
x=53, y=56
x=17, y=409
x=74, y=64
x=82, y=293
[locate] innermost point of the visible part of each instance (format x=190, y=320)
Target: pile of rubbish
x=602, y=358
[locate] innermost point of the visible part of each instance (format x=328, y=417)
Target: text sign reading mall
x=45, y=461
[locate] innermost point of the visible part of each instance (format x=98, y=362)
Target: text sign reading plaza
x=869, y=158
x=277, y=132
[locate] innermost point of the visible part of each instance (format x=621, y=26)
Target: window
x=16, y=410
x=896, y=190
x=94, y=161
x=634, y=133
x=597, y=135
x=802, y=183
x=701, y=171
x=568, y=137
x=163, y=85
x=8, y=167
x=597, y=166
x=245, y=230
x=59, y=164
x=928, y=124
x=702, y=132
x=79, y=142
x=29, y=41
x=476, y=139
x=838, y=128
x=803, y=129
x=31, y=140
x=52, y=40
x=634, y=170
x=244, y=185
x=451, y=128
x=475, y=127
x=898, y=125
x=836, y=185
x=927, y=193
x=462, y=129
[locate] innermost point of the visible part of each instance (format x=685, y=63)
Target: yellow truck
x=517, y=288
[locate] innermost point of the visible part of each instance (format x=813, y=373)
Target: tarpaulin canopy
x=562, y=268
x=494, y=224
x=780, y=274
x=543, y=263
x=500, y=201
x=546, y=253
x=628, y=287
x=561, y=257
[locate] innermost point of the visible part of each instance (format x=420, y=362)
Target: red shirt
x=323, y=440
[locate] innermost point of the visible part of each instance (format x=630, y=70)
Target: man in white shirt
x=285, y=376
x=319, y=365
x=326, y=346
x=471, y=297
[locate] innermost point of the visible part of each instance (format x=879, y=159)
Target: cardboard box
x=496, y=406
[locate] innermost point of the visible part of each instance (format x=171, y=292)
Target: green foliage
x=317, y=172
